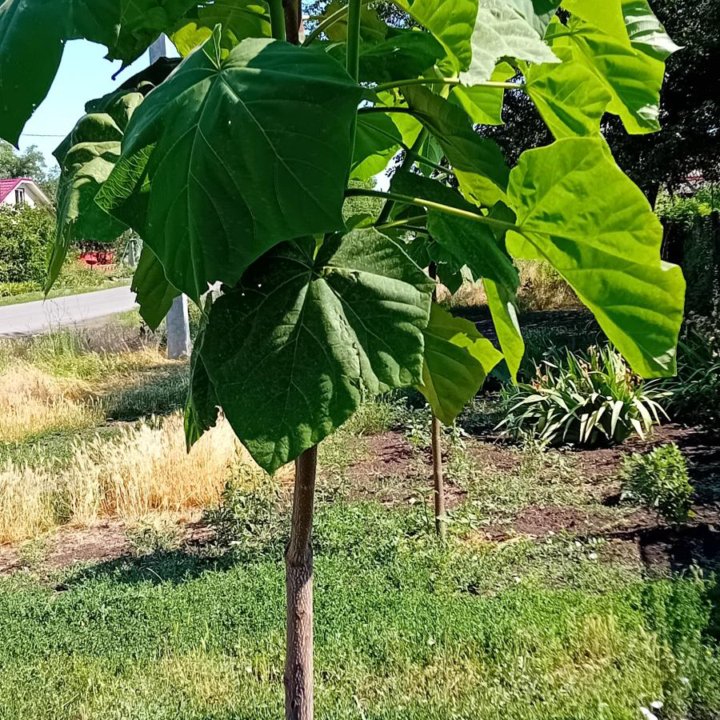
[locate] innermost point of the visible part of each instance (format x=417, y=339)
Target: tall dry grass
x=34, y=402
x=143, y=470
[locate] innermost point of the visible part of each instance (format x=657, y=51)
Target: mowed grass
x=561, y=628
x=400, y=633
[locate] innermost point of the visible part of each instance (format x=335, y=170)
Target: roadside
x=43, y=316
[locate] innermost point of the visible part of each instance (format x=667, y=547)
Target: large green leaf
x=377, y=140
x=458, y=242
x=309, y=335
x=153, y=292
x=247, y=151
x=33, y=34
x=568, y=96
x=477, y=162
x=484, y=105
x=504, y=28
x=632, y=78
x=372, y=28
x=457, y=361
x=452, y=23
x=239, y=19
x=606, y=16
x=646, y=32
x=87, y=157
x=576, y=209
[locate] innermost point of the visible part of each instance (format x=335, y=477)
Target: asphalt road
x=44, y=316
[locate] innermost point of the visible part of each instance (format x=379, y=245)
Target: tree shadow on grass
x=176, y=566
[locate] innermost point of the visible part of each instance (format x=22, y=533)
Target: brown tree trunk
x=438, y=481
x=299, y=587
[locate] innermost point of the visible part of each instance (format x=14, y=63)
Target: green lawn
x=404, y=629
x=558, y=628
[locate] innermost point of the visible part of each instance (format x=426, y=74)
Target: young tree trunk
x=436, y=446
x=438, y=482
x=299, y=587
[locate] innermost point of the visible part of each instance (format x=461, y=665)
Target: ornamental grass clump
x=586, y=399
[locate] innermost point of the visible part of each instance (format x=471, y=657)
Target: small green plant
x=660, y=480
x=586, y=399
x=248, y=519
x=153, y=535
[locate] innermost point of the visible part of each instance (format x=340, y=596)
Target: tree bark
x=438, y=481
x=299, y=588
x=293, y=20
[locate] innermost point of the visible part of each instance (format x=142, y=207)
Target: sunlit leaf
x=484, y=105
x=239, y=19
x=576, y=209
x=502, y=30
x=377, y=140
x=457, y=361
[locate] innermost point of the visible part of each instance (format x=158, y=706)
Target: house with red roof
x=19, y=192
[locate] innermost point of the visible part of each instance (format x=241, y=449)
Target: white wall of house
x=27, y=194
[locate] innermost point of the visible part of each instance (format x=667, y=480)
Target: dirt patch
x=99, y=543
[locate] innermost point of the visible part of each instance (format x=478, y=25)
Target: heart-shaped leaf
x=308, y=335
x=246, y=152
x=576, y=209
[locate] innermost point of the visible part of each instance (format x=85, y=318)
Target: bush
x=25, y=239
x=659, y=480
x=583, y=399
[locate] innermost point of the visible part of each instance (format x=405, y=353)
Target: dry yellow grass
x=145, y=469
x=33, y=402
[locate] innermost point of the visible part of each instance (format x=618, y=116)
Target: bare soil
x=393, y=472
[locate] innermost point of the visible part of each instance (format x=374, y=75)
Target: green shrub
x=584, y=399
x=248, y=518
x=25, y=239
x=659, y=480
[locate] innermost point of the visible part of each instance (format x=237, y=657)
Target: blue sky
x=84, y=75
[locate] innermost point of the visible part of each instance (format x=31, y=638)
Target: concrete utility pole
x=178, y=319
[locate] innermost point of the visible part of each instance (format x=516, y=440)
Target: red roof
x=7, y=186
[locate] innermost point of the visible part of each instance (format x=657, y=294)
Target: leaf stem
x=353, y=39
x=444, y=81
x=382, y=109
x=432, y=205
x=277, y=20
x=405, y=222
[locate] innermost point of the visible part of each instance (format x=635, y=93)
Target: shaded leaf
x=477, y=162
x=457, y=361
x=377, y=139
x=153, y=292
x=305, y=338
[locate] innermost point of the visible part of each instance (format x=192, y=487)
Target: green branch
x=277, y=19
x=395, y=84
x=408, y=223
x=431, y=205
x=353, y=39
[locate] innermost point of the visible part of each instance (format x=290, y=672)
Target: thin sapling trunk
x=299, y=588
